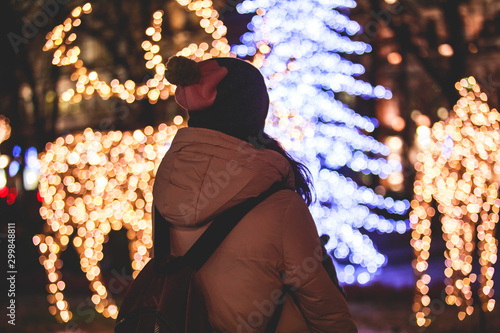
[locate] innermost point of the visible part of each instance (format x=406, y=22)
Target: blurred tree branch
x=406, y=39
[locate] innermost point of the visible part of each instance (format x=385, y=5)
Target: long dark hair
x=302, y=175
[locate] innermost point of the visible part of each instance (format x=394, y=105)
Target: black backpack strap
x=208, y=242
x=161, y=229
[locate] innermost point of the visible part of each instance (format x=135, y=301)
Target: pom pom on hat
x=182, y=71
x=196, y=81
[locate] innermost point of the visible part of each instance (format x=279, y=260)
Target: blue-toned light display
x=297, y=45
x=31, y=170
x=14, y=168
x=16, y=151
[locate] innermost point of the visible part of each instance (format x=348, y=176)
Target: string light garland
x=458, y=168
x=88, y=83
x=297, y=45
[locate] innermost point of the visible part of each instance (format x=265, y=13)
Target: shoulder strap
x=208, y=242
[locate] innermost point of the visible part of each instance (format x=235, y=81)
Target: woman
x=220, y=160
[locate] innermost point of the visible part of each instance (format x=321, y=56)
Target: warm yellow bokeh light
x=108, y=187
x=59, y=41
x=458, y=167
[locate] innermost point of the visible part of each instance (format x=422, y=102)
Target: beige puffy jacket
x=206, y=172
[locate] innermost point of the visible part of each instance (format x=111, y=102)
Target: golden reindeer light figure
x=458, y=167
x=92, y=183
x=95, y=182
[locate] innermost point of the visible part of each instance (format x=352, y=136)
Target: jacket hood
x=206, y=172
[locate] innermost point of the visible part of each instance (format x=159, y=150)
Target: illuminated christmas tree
x=298, y=46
